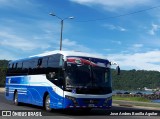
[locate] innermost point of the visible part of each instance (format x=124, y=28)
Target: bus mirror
x=118, y=70
x=51, y=75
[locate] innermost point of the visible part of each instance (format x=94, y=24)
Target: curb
x=125, y=105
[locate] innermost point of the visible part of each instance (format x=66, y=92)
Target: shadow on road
x=71, y=112
x=79, y=112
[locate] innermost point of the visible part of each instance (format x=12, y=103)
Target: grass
x=134, y=101
x=139, y=99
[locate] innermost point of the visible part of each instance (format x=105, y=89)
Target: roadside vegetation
x=3, y=68
x=130, y=80
x=139, y=99
x=135, y=101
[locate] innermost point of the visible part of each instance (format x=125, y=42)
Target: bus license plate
x=90, y=105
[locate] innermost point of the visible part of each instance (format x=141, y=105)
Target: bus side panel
x=14, y=84
x=38, y=86
x=36, y=93
x=56, y=100
x=8, y=93
x=23, y=94
x=32, y=91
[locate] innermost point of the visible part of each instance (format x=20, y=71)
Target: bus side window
x=39, y=63
x=39, y=66
x=32, y=66
x=50, y=64
x=19, y=67
x=12, y=65
x=45, y=62
x=9, y=65
x=9, y=69
x=44, y=65
x=55, y=61
x=25, y=67
x=16, y=66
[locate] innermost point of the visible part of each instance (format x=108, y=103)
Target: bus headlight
x=107, y=99
x=73, y=99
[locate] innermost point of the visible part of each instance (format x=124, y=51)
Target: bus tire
x=47, y=103
x=16, y=99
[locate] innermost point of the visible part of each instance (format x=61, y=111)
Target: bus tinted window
x=25, y=65
x=54, y=61
x=50, y=61
x=9, y=65
x=32, y=63
x=45, y=62
x=12, y=65
x=16, y=65
x=19, y=65
x=36, y=65
x=39, y=62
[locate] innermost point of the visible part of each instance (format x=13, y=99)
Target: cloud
x=68, y=42
x=142, y=61
x=5, y=3
x=73, y=45
x=154, y=29
x=113, y=27
x=15, y=3
x=137, y=45
x=113, y=5
x=135, y=48
x=16, y=42
x=25, y=37
x=7, y=55
x=107, y=49
x=117, y=42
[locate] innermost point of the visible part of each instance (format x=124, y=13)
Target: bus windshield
x=88, y=79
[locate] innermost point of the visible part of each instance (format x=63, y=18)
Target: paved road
x=97, y=113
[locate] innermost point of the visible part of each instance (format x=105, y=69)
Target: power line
x=122, y=15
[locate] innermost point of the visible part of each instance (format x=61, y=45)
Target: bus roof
x=64, y=53
x=71, y=53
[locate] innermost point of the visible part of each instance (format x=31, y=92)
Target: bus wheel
x=47, y=103
x=16, y=98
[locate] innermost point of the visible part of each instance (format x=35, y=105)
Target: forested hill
x=136, y=79
x=3, y=63
x=3, y=67
x=127, y=80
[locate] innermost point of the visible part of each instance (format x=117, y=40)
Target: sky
x=114, y=29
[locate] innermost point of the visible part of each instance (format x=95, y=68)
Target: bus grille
x=91, y=101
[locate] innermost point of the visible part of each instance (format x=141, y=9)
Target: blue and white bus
x=60, y=80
